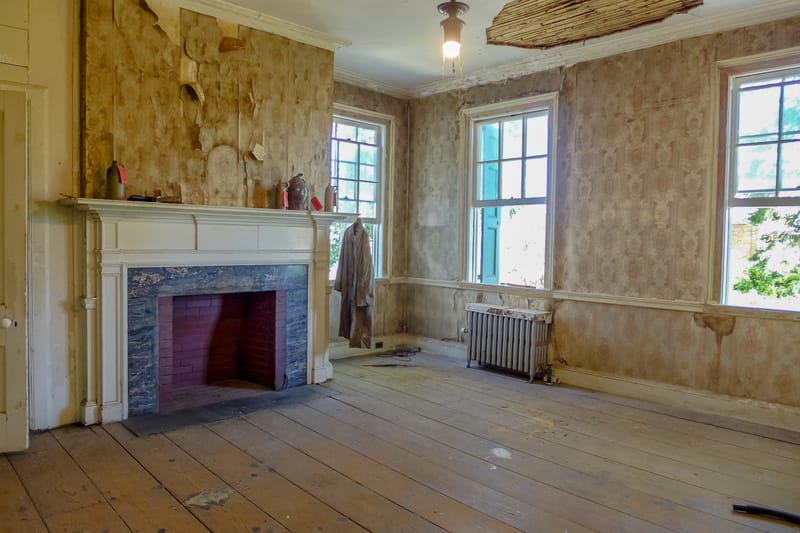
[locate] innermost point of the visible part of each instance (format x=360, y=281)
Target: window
x=357, y=173
x=511, y=161
x=761, y=263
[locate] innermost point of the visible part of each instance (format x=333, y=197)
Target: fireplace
x=138, y=256
x=215, y=298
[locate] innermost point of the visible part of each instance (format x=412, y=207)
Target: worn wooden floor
x=431, y=447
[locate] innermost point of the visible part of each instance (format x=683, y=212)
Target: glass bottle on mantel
x=330, y=193
x=115, y=181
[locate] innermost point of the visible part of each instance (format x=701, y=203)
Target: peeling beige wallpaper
x=635, y=174
x=196, y=139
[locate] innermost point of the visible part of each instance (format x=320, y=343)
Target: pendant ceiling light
x=451, y=47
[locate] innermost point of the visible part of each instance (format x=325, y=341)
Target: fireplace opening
x=216, y=347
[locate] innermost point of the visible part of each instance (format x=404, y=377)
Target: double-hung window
x=357, y=174
x=761, y=257
x=511, y=176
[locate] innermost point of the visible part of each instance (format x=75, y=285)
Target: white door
x=13, y=271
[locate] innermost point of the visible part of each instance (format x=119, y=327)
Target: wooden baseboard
x=756, y=411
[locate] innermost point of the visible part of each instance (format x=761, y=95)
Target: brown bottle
x=115, y=189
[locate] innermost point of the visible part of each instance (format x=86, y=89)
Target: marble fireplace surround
x=121, y=237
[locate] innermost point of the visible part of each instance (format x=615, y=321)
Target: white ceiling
x=396, y=43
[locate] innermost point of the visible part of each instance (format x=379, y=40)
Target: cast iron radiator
x=507, y=338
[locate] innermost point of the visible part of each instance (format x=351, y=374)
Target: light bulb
x=451, y=49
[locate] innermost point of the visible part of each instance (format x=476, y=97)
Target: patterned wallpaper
x=272, y=91
x=635, y=174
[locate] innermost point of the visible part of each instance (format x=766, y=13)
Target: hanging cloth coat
x=355, y=280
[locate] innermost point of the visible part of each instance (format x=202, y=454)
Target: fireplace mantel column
x=319, y=322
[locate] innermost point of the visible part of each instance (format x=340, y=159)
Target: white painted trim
x=757, y=411
x=608, y=299
x=679, y=27
x=353, y=78
x=759, y=58
x=229, y=12
x=342, y=349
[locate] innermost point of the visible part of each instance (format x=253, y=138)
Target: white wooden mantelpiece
x=117, y=235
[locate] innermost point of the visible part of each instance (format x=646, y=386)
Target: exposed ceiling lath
x=549, y=23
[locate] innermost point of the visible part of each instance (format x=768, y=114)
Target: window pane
x=510, y=242
x=366, y=191
x=367, y=173
x=756, y=167
x=790, y=166
x=347, y=206
x=334, y=150
x=366, y=135
x=488, y=142
x=487, y=181
x=536, y=177
x=791, y=109
x=347, y=190
x=366, y=209
x=348, y=151
x=763, y=264
x=512, y=179
x=344, y=131
x=758, y=111
x=512, y=139
x=536, y=141
x=369, y=155
x=347, y=171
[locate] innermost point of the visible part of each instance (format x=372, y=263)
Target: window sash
x=473, y=118
x=743, y=84
x=358, y=181
x=476, y=162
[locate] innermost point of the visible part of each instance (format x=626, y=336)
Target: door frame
x=36, y=111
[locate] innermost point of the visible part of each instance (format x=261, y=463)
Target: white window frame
x=471, y=119
x=385, y=124
x=734, y=76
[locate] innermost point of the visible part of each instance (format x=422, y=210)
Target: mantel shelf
x=122, y=209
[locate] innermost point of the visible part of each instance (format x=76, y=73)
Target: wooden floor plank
x=432, y=447
x=512, y=409
x=359, y=503
x=293, y=507
x=775, y=455
x=432, y=505
x=614, y=477
x=602, y=497
x=16, y=508
x=724, y=483
x=139, y=499
x=472, y=484
x=212, y=501
x=689, y=424
x=59, y=489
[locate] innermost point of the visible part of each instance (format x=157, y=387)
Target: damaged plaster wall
x=185, y=117
x=389, y=311
x=635, y=174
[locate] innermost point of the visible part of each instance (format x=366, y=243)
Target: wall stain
x=722, y=326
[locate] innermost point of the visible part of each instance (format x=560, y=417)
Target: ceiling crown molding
x=229, y=12
x=353, y=78
x=673, y=29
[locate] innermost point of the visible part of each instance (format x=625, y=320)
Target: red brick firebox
x=209, y=338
